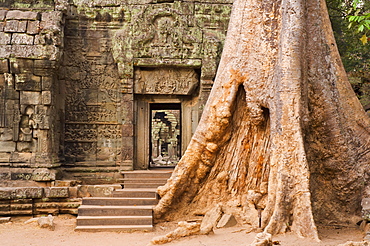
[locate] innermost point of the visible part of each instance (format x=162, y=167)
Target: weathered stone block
x=2, y=24
x=128, y=148
x=66, y=183
x=4, y=66
x=22, y=15
x=30, y=97
x=27, y=146
x=96, y=190
x=11, y=106
x=19, y=66
x=15, y=26
x=46, y=97
x=28, y=51
x=35, y=51
x=22, y=38
x=51, y=18
x=61, y=5
x=44, y=68
x=8, y=119
x=22, y=26
x=73, y=192
x=5, y=51
x=7, y=146
x=27, y=82
x=44, y=119
x=47, y=83
x=127, y=130
x=3, y=14
x=5, y=38
x=5, y=193
x=56, y=192
x=33, y=27
x=11, y=26
x=25, y=175
x=44, y=174
x=6, y=134
x=20, y=158
x=27, y=192
x=4, y=158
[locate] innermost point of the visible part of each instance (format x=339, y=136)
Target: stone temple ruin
x=80, y=82
x=91, y=88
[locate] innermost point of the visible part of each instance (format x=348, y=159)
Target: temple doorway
x=165, y=134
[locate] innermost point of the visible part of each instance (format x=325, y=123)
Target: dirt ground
x=17, y=233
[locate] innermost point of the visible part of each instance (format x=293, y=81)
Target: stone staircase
x=129, y=209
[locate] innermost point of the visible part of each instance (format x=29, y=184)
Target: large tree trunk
x=282, y=133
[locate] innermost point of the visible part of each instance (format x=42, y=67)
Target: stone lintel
x=153, y=62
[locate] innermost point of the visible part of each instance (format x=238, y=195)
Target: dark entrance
x=165, y=134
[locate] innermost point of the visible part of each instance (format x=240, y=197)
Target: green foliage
x=350, y=22
x=353, y=14
x=359, y=19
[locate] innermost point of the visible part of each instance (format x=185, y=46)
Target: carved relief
x=81, y=132
x=79, y=109
x=80, y=150
x=110, y=131
x=165, y=34
x=159, y=31
x=165, y=81
x=28, y=125
x=109, y=142
x=92, y=113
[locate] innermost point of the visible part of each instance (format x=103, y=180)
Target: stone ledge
x=20, y=193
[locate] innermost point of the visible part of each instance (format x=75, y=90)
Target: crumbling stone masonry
x=78, y=79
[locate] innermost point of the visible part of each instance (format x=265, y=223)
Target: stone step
x=143, y=192
x=91, y=169
x=92, y=210
x=114, y=220
x=118, y=228
x=91, y=164
x=119, y=201
x=144, y=180
x=166, y=174
x=129, y=209
x=141, y=185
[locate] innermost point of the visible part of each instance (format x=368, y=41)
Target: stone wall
x=62, y=197
x=31, y=43
x=107, y=44
x=76, y=78
x=74, y=72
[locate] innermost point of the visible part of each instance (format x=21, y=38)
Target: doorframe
x=142, y=126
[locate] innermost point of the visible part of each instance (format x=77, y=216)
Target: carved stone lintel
x=174, y=81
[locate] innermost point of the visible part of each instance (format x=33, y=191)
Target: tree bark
x=282, y=136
